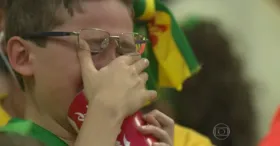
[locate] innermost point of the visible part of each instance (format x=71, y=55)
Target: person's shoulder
x=184, y=136
x=12, y=139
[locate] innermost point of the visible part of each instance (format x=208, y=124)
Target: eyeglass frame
x=77, y=34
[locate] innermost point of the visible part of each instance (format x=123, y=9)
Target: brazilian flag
x=172, y=60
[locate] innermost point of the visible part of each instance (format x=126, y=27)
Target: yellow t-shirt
x=4, y=116
x=187, y=137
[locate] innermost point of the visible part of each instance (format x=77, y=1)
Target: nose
x=105, y=57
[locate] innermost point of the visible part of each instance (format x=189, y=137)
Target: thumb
x=88, y=70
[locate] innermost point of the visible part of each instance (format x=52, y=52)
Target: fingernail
x=146, y=61
x=154, y=96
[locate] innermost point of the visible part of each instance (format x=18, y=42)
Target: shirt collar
x=28, y=128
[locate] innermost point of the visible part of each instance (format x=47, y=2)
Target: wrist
x=101, y=126
x=107, y=112
x=110, y=109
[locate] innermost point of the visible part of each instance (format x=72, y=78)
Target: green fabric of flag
x=30, y=129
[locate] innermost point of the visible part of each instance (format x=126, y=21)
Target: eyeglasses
x=98, y=40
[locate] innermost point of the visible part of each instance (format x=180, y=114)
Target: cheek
x=57, y=73
x=59, y=66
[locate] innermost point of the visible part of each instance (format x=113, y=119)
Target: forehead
x=110, y=15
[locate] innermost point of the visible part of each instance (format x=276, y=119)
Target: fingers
x=84, y=55
x=88, y=69
x=144, y=77
x=149, y=95
x=163, y=119
x=140, y=65
x=129, y=59
x=151, y=120
x=157, y=132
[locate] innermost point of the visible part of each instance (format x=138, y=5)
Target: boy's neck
x=43, y=119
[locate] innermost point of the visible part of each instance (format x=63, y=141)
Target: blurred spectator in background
x=3, y=72
x=219, y=93
x=2, y=4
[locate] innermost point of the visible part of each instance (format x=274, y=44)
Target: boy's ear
x=19, y=56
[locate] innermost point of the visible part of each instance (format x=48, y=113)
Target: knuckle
x=144, y=96
x=139, y=80
x=122, y=58
x=164, y=133
x=122, y=61
x=151, y=127
x=171, y=121
x=145, y=75
x=122, y=65
x=116, y=63
x=117, y=60
x=133, y=70
x=156, y=112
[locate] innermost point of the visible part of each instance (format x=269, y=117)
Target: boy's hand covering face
x=120, y=86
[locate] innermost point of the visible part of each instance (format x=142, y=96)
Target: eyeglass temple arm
x=49, y=34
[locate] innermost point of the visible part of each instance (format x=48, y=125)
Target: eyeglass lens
x=98, y=40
